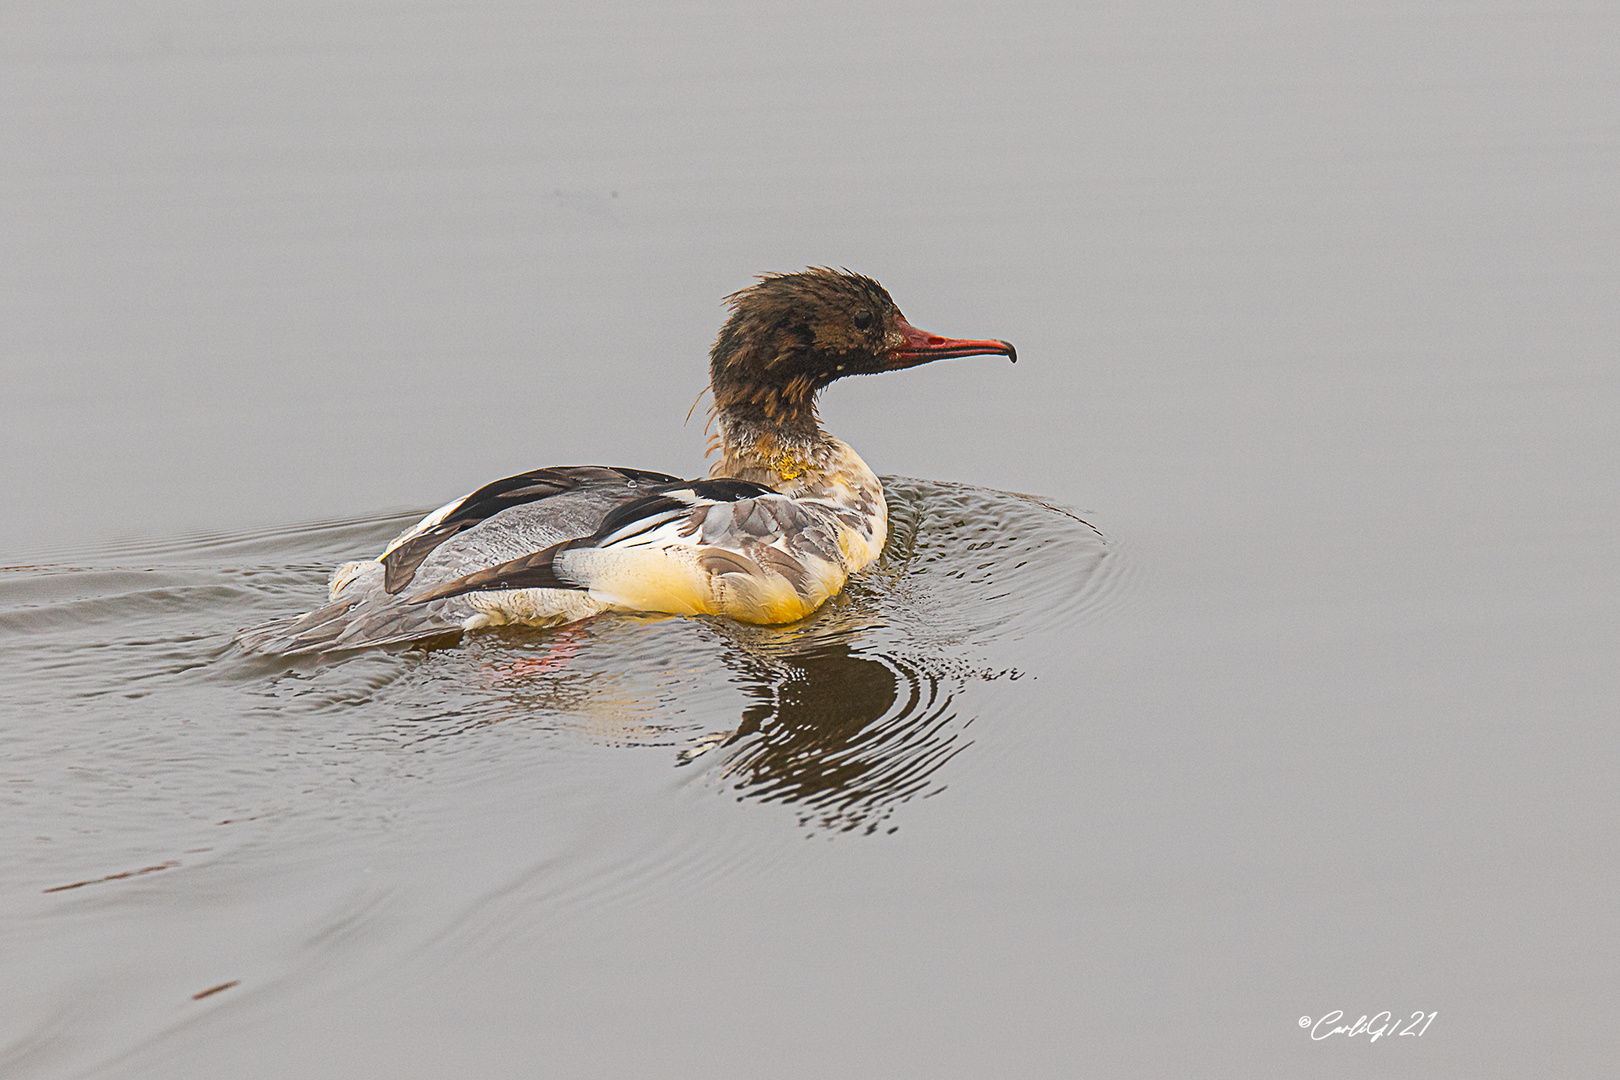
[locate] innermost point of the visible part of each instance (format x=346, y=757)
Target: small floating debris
x=116, y=877
x=212, y=990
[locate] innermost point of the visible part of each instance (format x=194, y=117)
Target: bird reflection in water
x=846, y=735
x=842, y=730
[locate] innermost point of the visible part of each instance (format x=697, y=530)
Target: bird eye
x=863, y=318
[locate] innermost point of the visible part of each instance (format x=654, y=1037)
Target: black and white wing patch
x=709, y=515
x=402, y=558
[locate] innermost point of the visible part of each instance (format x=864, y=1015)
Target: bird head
x=791, y=335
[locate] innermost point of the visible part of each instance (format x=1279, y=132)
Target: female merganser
x=788, y=514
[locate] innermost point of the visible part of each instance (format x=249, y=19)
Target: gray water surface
x=1291, y=689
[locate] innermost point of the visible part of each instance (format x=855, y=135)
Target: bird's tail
x=349, y=622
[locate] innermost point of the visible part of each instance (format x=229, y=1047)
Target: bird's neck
x=798, y=460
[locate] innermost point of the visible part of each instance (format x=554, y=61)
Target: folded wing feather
x=721, y=547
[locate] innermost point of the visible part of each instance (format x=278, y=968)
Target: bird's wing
x=406, y=553
x=707, y=547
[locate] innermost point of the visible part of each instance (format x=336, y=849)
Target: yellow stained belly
x=671, y=581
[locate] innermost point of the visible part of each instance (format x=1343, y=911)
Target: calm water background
x=1316, y=311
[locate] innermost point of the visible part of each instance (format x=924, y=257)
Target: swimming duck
x=788, y=514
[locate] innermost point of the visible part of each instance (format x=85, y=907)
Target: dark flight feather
x=536, y=571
